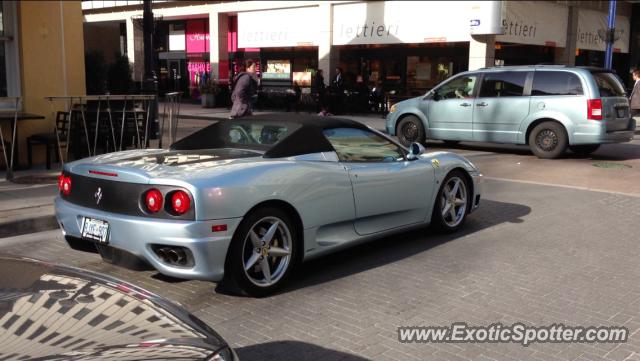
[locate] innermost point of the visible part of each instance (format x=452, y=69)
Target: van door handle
x=483, y=104
x=465, y=105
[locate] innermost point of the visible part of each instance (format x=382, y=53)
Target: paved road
x=533, y=253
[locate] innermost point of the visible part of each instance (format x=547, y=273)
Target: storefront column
x=567, y=55
x=130, y=47
x=482, y=51
x=218, y=52
x=136, y=55
x=324, y=38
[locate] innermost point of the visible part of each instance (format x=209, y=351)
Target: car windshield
x=237, y=133
x=608, y=84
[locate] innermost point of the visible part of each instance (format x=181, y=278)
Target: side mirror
x=415, y=149
x=436, y=96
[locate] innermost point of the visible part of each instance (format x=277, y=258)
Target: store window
x=503, y=84
x=556, y=83
x=9, y=70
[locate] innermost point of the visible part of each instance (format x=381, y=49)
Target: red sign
x=197, y=36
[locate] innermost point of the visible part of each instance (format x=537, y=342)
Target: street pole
x=150, y=82
x=611, y=30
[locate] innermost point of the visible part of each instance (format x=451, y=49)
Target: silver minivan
x=548, y=107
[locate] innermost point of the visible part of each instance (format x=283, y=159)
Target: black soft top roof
x=305, y=137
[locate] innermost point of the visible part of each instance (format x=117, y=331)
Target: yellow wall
x=41, y=62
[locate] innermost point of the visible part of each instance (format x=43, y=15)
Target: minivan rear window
x=608, y=84
x=556, y=83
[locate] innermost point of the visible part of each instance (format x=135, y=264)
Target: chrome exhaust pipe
x=182, y=256
x=177, y=256
x=162, y=253
x=172, y=255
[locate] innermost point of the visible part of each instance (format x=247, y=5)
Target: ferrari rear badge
x=98, y=195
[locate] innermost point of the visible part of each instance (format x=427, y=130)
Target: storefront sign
x=274, y=28
x=392, y=22
x=176, y=39
x=535, y=23
x=592, y=27
x=197, y=36
x=486, y=17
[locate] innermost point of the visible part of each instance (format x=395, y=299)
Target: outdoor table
x=14, y=118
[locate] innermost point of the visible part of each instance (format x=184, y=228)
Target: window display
x=277, y=69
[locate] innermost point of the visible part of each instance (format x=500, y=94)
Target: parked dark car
x=53, y=312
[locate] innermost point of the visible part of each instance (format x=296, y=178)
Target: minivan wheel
x=548, y=140
x=584, y=149
x=410, y=130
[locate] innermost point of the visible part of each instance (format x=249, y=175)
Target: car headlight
x=226, y=354
x=393, y=108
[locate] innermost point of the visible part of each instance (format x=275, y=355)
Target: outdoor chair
x=50, y=140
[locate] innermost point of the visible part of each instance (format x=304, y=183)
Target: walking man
x=245, y=87
x=634, y=99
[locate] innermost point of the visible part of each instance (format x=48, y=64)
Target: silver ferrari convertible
x=245, y=200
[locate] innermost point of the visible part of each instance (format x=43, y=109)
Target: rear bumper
x=596, y=133
x=137, y=235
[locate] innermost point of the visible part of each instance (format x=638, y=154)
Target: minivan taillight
x=594, y=109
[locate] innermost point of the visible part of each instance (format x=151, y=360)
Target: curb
x=26, y=226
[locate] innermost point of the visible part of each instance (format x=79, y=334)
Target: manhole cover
x=610, y=165
x=36, y=179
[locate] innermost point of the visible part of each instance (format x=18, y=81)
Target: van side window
x=556, y=83
x=503, y=84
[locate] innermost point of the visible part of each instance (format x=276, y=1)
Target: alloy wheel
x=453, y=202
x=267, y=251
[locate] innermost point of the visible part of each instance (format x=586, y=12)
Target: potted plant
x=208, y=91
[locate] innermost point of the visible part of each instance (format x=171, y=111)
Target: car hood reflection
x=57, y=313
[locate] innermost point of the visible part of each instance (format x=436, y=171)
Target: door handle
x=465, y=105
x=483, y=104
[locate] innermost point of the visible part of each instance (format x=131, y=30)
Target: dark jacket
x=245, y=87
x=634, y=98
x=318, y=84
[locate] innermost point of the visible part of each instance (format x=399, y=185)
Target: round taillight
x=153, y=200
x=60, y=181
x=65, y=185
x=180, y=202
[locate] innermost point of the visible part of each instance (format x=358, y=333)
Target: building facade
x=43, y=55
x=403, y=46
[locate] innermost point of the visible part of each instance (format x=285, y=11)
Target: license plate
x=95, y=229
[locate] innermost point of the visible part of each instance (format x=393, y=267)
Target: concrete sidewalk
x=26, y=203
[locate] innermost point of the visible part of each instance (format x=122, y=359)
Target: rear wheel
x=584, y=149
x=548, y=140
x=451, y=205
x=262, y=252
x=410, y=130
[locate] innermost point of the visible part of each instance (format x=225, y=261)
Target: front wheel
x=410, y=130
x=263, y=252
x=584, y=149
x=451, y=205
x=548, y=140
